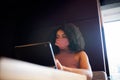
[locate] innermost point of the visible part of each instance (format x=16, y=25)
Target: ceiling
x=105, y=2
x=110, y=12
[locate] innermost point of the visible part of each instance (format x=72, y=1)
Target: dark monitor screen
x=38, y=53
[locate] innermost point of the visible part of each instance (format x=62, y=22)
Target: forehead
x=60, y=31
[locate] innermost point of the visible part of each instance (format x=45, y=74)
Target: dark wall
x=7, y=28
x=34, y=21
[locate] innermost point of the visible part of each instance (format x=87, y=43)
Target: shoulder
x=81, y=54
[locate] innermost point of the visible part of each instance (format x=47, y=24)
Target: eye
x=57, y=36
x=64, y=36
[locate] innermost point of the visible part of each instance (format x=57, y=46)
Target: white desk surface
x=11, y=69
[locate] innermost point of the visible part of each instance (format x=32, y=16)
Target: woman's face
x=61, y=40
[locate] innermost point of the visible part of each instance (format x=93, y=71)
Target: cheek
x=66, y=41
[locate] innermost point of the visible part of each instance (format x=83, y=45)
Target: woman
x=68, y=45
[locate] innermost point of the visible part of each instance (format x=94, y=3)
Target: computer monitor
x=38, y=53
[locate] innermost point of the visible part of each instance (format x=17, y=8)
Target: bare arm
x=85, y=68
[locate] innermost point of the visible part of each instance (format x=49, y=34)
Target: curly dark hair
x=74, y=35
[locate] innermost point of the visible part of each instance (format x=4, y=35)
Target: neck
x=65, y=51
